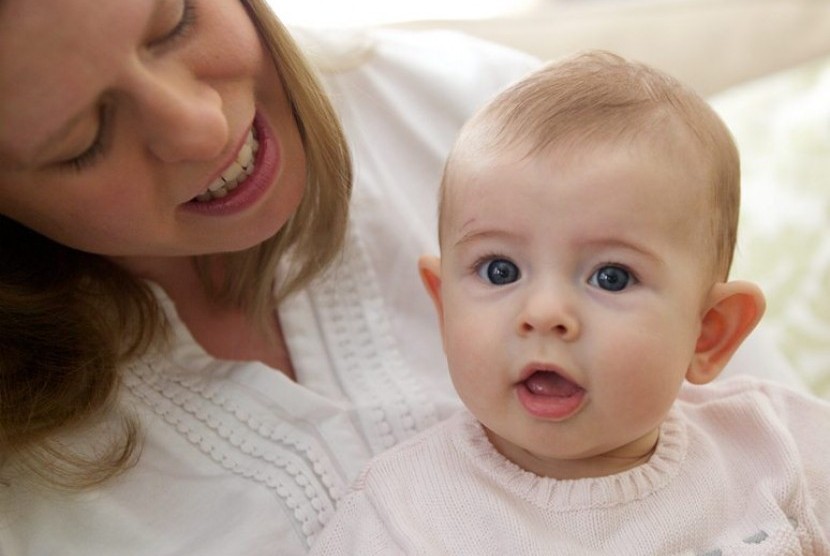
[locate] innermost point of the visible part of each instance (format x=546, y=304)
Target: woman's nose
x=549, y=311
x=182, y=116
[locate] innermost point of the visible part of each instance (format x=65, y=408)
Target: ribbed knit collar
x=555, y=495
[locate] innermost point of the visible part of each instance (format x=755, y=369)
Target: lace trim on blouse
x=261, y=440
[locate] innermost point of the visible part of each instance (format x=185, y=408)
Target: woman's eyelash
x=88, y=157
x=92, y=153
x=185, y=23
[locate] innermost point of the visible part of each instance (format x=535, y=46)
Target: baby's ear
x=734, y=309
x=429, y=267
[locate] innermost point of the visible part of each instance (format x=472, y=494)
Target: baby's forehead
x=641, y=177
x=482, y=151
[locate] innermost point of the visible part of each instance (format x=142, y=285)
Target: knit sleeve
x=356, y=528
x=808, y=420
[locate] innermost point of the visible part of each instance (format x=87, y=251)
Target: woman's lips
x=548, y=394
x=247, y=190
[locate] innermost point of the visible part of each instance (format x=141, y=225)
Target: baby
x=587, y=224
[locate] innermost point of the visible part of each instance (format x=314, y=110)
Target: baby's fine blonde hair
x=598, y=97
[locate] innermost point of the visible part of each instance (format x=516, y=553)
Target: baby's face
x=572, y=292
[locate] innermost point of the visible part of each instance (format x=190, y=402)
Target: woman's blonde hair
x=70, y=320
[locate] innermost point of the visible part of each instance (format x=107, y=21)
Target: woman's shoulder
x=449, y=65
x=342, y=50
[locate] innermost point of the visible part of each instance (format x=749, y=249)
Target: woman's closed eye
x=497, y=271
x=180, y=29
x=612, y=278
x=97, y=148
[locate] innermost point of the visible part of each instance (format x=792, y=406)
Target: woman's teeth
x=234, y=174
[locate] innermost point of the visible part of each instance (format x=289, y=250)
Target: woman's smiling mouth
x=234, y=174
x=247, y=179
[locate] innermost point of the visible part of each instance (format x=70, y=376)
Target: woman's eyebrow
x=28, y=143
x=14, y=160
x=45, y=149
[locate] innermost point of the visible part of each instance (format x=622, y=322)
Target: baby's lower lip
x=548, y=395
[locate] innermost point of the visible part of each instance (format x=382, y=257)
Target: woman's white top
x=237, y=458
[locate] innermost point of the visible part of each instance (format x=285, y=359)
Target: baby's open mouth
x=234, y=174
x=549, y=395
x=552, y=384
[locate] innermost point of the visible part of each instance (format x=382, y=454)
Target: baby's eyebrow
x=615, y=243
x=482, y=234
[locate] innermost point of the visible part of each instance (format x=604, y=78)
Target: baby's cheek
x=463, y=353
x=470, y=356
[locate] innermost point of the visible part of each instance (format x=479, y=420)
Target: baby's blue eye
x=499, y=272
x=611, y=278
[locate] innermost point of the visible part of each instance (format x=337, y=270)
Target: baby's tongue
x=545, y=383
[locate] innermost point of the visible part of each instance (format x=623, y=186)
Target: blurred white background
x=711, y=44
x=338, y=13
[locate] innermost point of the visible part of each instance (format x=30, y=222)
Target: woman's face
x=117, y=118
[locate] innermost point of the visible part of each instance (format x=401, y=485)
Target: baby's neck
x=602, y=464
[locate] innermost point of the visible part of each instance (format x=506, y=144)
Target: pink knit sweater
x=742, y=467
